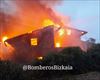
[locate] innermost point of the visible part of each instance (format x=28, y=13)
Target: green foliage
x=94, y=57
x=81, y=61
x=10, y=71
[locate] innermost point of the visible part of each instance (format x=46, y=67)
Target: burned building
x=48, y=39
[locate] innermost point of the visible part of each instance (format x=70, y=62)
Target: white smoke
x=8, y=7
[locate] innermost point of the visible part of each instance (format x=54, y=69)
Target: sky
x=84, y=15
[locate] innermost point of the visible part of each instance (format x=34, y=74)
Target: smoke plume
x=20, y=16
